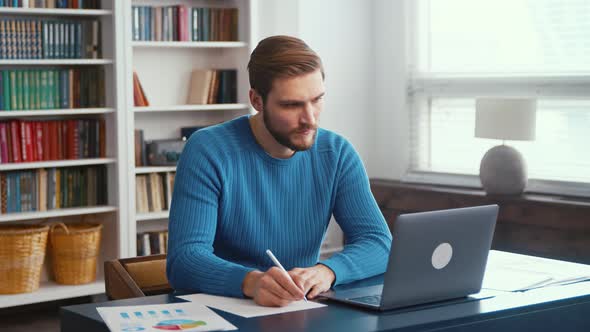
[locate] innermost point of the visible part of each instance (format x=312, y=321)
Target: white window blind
x=464, y=49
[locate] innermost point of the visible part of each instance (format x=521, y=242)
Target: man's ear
x=256, y=100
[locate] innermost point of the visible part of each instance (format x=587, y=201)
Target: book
x=139, y=97
x=200, y=86
x=3, y=193
x=146, y=244
x=169, y=188
x=156, y=192
x=3, y=143
x=139, y=147
x=141, y=194
x=211, y=97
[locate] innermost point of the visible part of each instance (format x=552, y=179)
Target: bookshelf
x=55, y=62
x=56, y=164
x=151, y=216
x=166, y=86
x=154, y=169
x=57, y=12
x=114, y=234
x=190, y=108
x=175, y=44
x=54, y=112
x=50, y=291
x=56, y=213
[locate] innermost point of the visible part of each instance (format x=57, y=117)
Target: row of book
x=52, y=188
x=152, y=243
x=28, y=89
x=213, y=87
x=153, y=191
x=49, y=39
x=31, y=141
x=74, y=4
x=180, y=23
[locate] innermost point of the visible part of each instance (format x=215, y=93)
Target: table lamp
x=503, y=169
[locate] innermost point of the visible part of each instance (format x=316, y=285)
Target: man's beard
x=284, y=138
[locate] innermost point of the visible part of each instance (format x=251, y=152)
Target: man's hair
x=280, y=57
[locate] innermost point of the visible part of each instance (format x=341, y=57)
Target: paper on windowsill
x=246, y=307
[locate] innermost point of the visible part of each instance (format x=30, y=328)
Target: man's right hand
x=273, y=288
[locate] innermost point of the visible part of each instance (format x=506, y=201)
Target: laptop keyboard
x=370, y=299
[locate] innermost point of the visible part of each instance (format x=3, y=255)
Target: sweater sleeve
x=368, y=239
x=191, y=262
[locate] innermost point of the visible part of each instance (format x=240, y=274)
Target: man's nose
x=308, y=116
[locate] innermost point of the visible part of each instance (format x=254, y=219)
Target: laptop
x=435, y=256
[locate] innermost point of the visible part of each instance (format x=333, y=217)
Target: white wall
x=362, y=45
x=389, y=156
x=278, y=18
x=341, y=32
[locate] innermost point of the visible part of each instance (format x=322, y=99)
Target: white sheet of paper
x=246, y=307
x=506, y=279
x=187, y=316
x=504, y=270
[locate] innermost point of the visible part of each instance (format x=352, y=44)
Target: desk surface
x=565, y=308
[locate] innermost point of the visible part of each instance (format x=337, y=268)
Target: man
x=273, y=181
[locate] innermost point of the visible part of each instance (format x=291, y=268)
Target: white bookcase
x=164, y=69
x=114, y=235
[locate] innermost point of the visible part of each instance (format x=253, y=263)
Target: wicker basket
x=74, y=251
x=22, y=250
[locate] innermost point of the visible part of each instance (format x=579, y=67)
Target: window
x=464, y=49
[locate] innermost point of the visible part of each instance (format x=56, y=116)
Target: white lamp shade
x=506, y=119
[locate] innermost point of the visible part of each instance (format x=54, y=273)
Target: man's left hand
x=313, y=280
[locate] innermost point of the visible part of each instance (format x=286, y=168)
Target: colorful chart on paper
x=179, y=324
x=186, y=317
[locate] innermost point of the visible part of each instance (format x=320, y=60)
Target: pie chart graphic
x=179, y=324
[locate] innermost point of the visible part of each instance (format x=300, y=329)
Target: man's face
x=292, y=110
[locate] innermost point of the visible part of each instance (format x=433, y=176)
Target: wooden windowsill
x=546, y=225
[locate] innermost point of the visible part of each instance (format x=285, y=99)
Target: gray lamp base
x=503, y=171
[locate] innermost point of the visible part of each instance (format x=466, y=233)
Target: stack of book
x=173, y=23
x=53, y=188
x=49, y=39
x=153, y=192
x=213, y=87
x=30, y=141
x=74, y=4
x=152, y=243
x=51, y=88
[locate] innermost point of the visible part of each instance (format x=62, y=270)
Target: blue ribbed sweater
x=232, y=201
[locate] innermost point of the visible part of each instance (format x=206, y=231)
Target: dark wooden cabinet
x=542, y=225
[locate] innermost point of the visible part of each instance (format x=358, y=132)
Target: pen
x=278, y=264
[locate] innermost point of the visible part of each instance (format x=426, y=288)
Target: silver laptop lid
x=438, y=255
